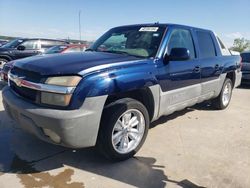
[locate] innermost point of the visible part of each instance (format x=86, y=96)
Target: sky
x=60, y=18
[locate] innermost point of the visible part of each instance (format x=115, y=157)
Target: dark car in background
x=67, y=48
x=25, y=47
x=2, y=42
x=245, y=67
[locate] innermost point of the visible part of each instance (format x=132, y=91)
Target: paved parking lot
x=196, y=147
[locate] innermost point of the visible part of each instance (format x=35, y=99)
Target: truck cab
x=132, y=75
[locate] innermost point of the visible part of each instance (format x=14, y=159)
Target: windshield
x=12, y=44
x=141, y=41
x=55, y=49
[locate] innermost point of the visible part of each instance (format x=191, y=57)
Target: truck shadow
x=30, y=159
x=244, y=86
x=205, y=106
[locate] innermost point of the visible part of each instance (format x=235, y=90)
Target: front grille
x=27, y=93
x=24, y=92
x=29, y=75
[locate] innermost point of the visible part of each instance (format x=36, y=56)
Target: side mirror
x=21, y=48
x=178, y=54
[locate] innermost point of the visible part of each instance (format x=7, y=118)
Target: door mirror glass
x=21, y=47
x=178, y=54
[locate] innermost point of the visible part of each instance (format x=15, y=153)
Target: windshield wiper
x=116, y=52
x=122, y=52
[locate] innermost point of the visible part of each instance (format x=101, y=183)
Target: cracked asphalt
x=195, y=147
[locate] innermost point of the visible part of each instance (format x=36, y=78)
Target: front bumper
x=75, y=128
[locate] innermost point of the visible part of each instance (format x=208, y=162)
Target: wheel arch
x=143, y=95
x=231, y=75
x=5, y=57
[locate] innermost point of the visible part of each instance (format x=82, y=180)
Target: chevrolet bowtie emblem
x=18, y=80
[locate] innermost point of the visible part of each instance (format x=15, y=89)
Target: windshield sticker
x=149, y=29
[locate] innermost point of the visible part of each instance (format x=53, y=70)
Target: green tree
x=240, y=44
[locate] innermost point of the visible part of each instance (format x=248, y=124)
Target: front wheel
x=123, y=130
x=223, y=100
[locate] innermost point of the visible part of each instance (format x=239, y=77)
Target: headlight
x=59, y=99
x=69, y=81
x=55, y=99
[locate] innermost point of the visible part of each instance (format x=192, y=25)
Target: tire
x=120, y=137
x=2, y=62
x=222, y=101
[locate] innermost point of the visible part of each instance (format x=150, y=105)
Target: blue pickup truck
x=108, y=95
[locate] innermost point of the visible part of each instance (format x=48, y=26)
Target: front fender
x=113, y=81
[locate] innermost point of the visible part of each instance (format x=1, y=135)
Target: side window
x=30, y=44
x=45, y=44
x=206, y=44
x=181, y=38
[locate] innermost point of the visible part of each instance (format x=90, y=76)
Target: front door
x=179, y=80
x=31, y=48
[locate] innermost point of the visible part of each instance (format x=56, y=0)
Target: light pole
x=80, y=34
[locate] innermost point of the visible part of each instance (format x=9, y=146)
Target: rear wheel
x=223, y=100
x=123, y=130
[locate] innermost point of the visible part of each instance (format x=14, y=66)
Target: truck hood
x=70, y=63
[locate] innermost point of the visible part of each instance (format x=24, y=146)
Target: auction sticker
x=149, y=29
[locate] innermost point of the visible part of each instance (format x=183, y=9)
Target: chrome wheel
x=226, y=96
x=2, y=62
x=128, y=131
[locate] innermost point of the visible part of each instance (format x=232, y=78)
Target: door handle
x=216, y=67
x=197, y=69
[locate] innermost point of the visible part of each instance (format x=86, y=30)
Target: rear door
x=210, y=62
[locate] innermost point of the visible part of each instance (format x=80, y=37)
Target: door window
x=45, y=44
x=30, y=44
x=206, y=44
x=181, y=38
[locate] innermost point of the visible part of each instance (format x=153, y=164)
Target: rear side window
x=206, y=44
x=181, y=38
x=245, y=57
x=45, y=44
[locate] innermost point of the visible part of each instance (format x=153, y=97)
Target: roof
x=164, y=25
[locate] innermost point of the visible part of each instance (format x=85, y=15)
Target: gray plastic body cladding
x=238, y=78
x=77, y=128
x=178, y=99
